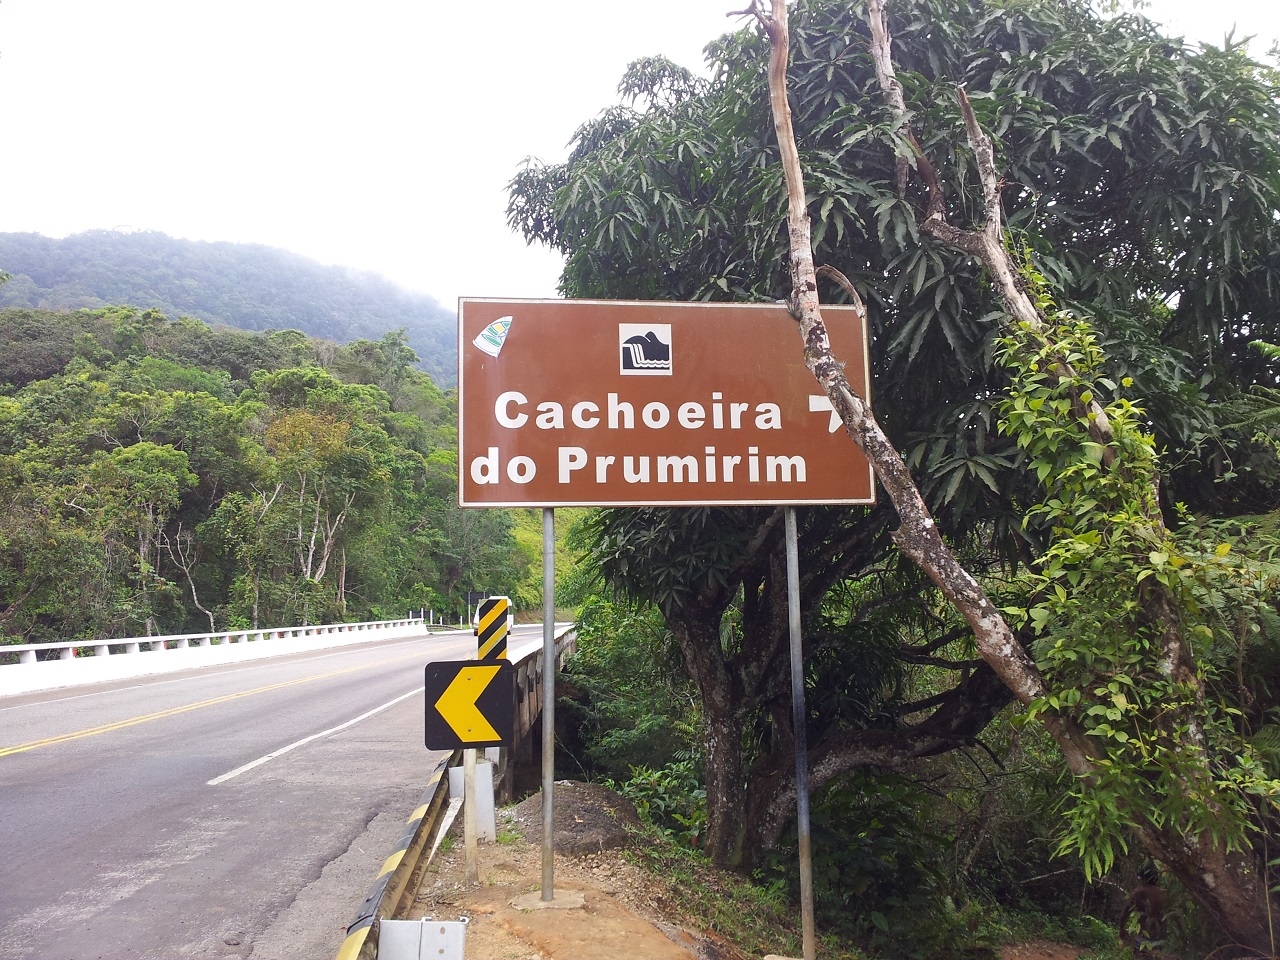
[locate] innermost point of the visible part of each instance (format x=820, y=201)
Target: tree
x=684, y=198
x=323, y=470
x=1184, y=827
x=718, y=577
x=470, y=549
x=313, y=497
x=137, y=488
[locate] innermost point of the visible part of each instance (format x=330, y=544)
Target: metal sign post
x=548, y=700
x=799, y=716
x=470, y=824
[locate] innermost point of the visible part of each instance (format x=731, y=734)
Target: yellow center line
x=175, y=711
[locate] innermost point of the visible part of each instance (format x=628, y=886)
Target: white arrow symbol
x=822, y=404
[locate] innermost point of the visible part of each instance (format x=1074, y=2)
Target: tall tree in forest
x=136, y=489
x=323, y=466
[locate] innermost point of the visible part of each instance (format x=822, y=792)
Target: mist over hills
x=249, y=286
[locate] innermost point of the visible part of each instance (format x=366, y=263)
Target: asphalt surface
x=134, y=823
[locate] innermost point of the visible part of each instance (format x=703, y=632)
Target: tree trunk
x=144, y=576
x=184, y=557
x=698, y=634
x=958, y=721
x=751, y=796
x=726, y=793
x=342, y=583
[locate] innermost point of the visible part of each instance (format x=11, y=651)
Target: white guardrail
x=140, y=656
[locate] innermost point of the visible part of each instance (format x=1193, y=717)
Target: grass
x=755, y=919
x=1026, y=922
x=760, y=919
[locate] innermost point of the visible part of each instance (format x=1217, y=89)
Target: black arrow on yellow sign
x=470, y=703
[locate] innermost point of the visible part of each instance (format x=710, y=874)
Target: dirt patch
x=624, y=911
x=1040, y=950
x=587, y=818
x=619, y=916
x=605, y=927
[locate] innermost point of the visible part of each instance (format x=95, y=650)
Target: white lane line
x=305, y=740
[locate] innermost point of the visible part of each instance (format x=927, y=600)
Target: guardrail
x=393, y=892
x=67, y=649
x=22, y=670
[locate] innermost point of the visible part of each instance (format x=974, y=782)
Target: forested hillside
x=159, y=476
x=249, y=286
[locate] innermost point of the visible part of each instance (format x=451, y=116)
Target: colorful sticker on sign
x=493, y=336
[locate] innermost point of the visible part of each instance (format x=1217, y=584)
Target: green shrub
x=630, y=704
x=671, y=799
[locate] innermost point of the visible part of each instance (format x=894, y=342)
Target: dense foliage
x=162, y=476
x=1140, y=173
x=1141, y=184
x=248, y=286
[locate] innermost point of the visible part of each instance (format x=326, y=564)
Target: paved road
x=134, y=822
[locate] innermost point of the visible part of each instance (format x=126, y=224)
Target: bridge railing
x=530, y=672
x=70, y=649
x=75, y=662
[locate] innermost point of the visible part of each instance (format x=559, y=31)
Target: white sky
x=379, y=134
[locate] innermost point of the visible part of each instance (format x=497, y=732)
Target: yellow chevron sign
x=492, y=625
x=470, y=703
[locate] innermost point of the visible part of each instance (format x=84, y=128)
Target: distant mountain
x=243, y=285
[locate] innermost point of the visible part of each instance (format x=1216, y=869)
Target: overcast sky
x=378, y=135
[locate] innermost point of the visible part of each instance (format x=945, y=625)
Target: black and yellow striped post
x=492, y=626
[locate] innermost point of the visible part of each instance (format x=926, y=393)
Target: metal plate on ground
x=422, y=939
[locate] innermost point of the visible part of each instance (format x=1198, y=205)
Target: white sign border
x=680, y=304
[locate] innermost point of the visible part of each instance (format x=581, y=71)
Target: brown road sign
x=470, y=703
x=616, y=403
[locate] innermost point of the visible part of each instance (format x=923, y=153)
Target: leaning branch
x=917, y=535
x=988, y=243
x=1221, y=881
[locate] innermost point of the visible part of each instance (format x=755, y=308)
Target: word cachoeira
x=616, y=419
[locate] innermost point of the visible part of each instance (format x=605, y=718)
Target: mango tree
x=1121, y=151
